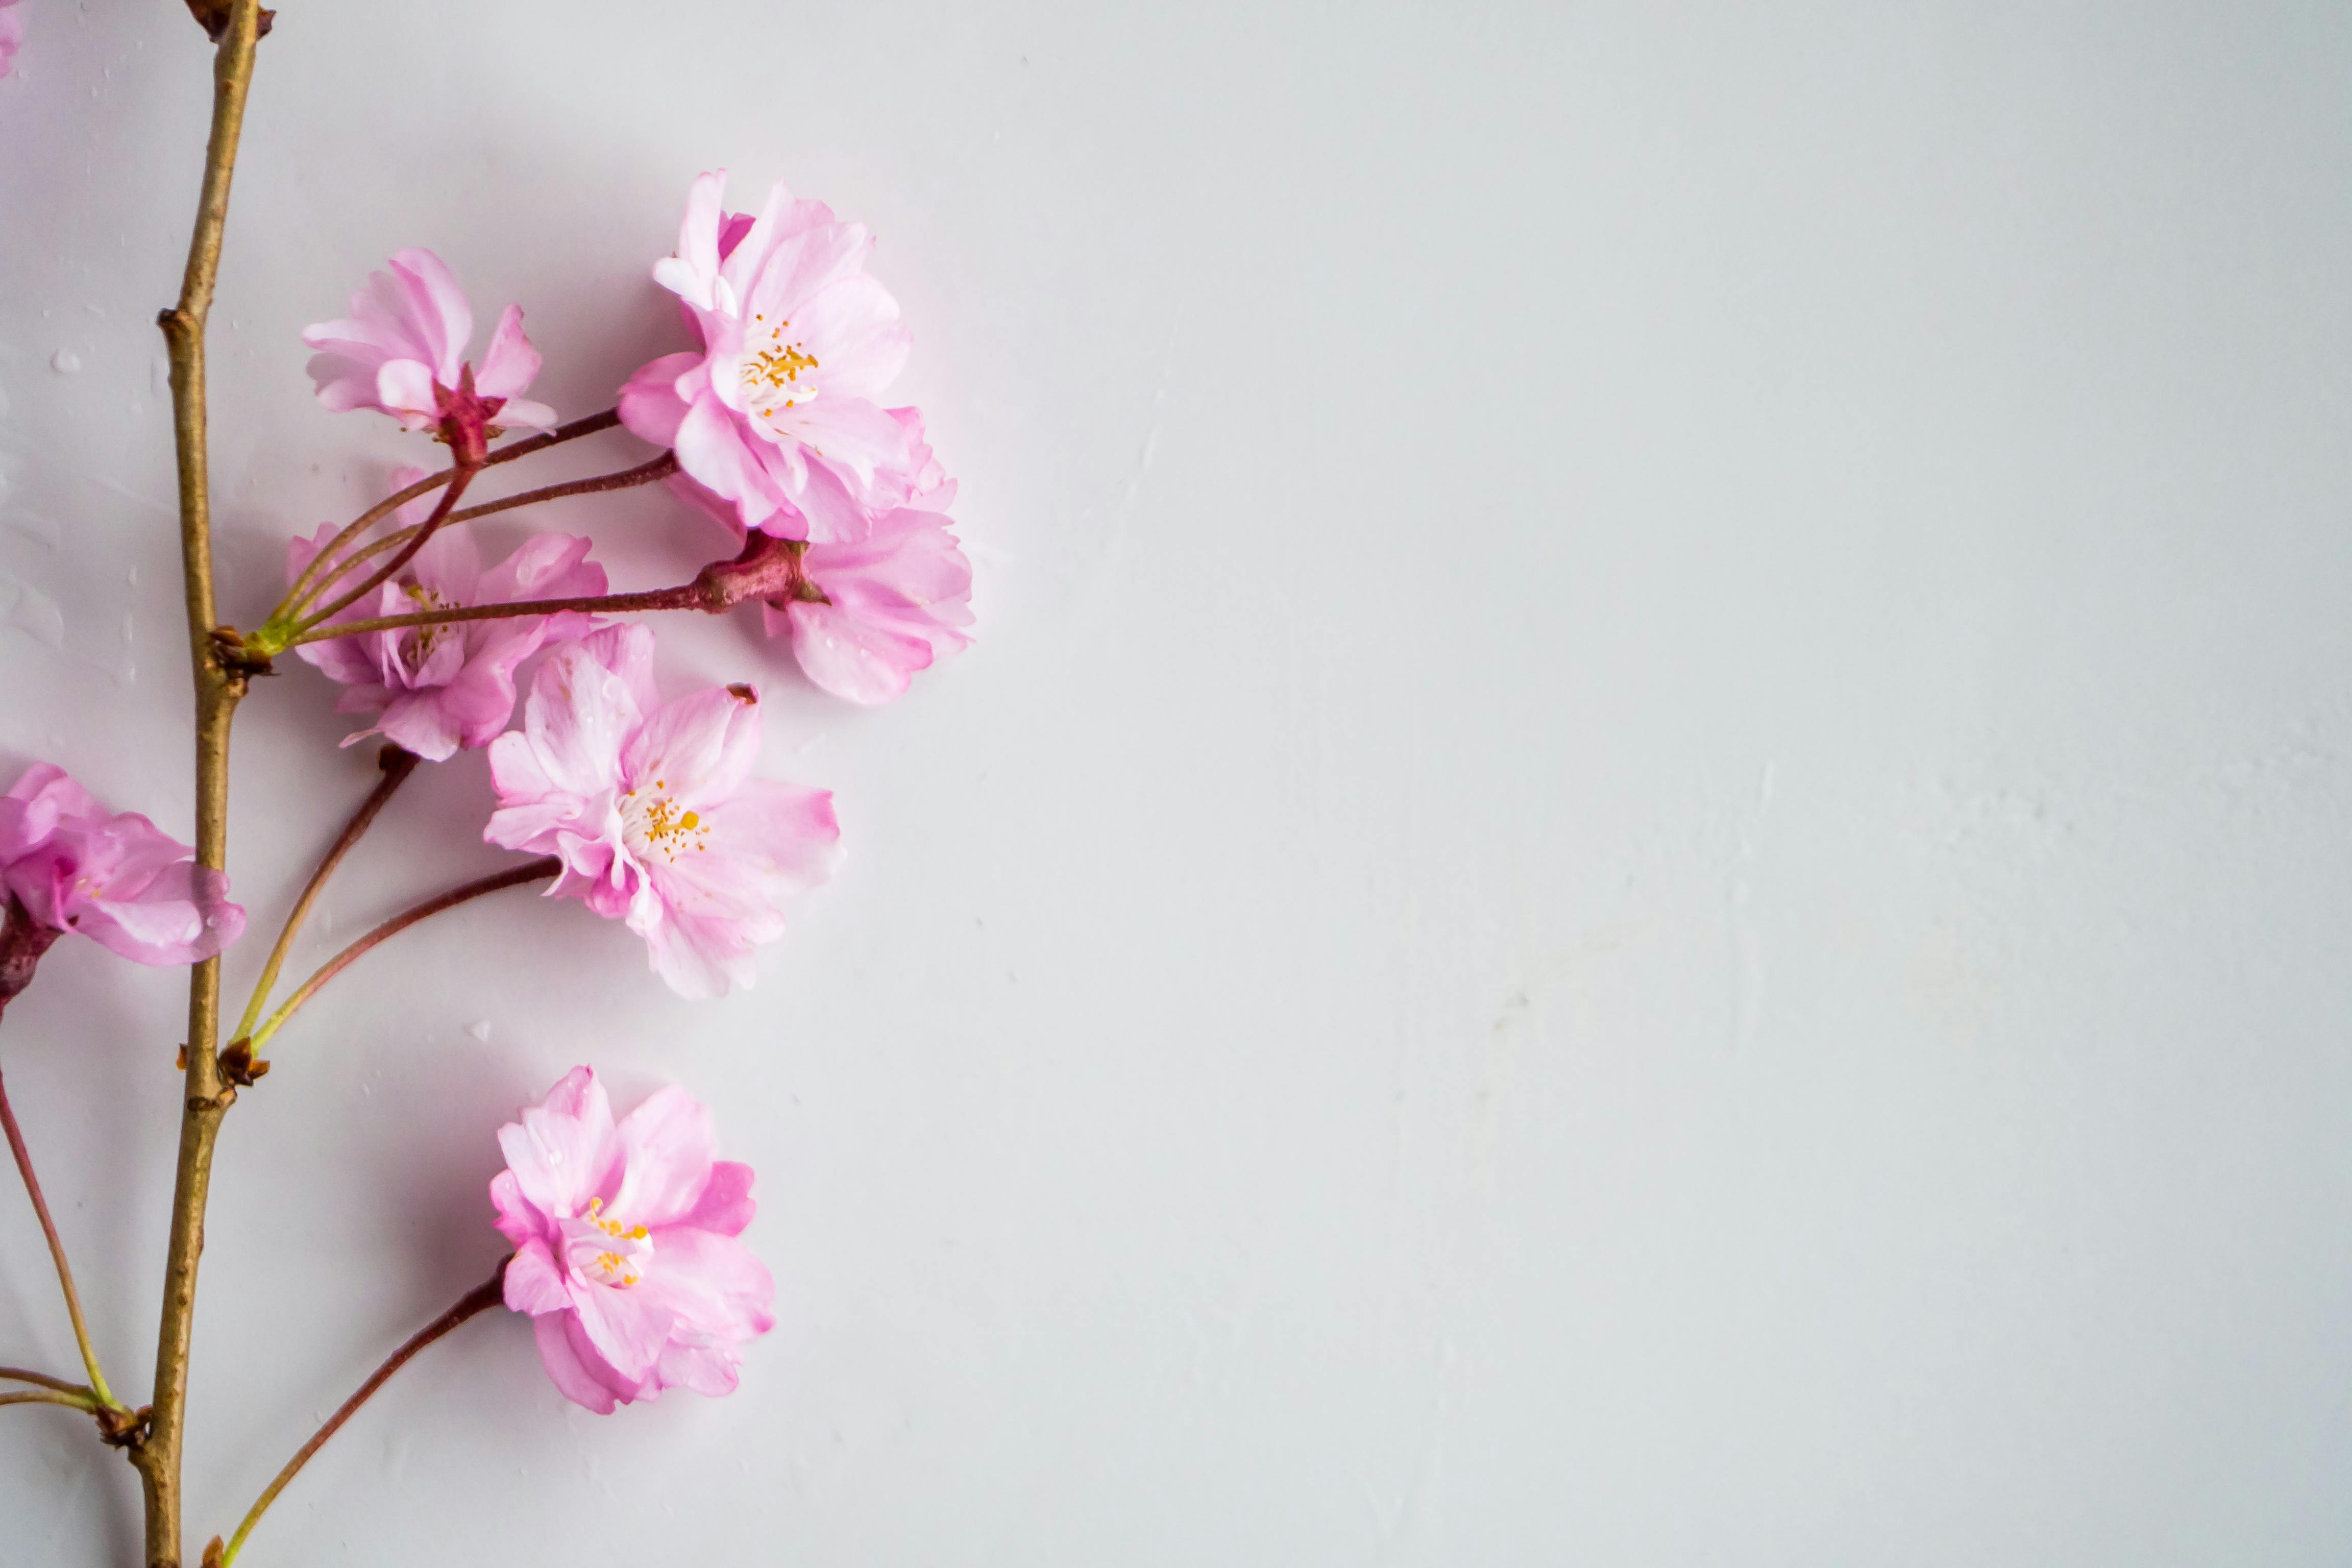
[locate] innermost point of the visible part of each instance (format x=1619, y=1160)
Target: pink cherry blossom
x=777, y=411
x=863, y=617
x=654, y=811
x=437, y=688
x=119, y=879
x=625, y=1250
x=402, y=350
x=12, y=35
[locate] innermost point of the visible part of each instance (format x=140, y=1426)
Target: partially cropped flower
x=654, y=811
x=402, y=350
x=864, y=616
x=625, y=1250
x=437, y=688
x=115, y=877
x=12, y=35
x=778, y=410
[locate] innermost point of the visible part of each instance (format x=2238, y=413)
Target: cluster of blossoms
x=625, y=1234
x=647, y=809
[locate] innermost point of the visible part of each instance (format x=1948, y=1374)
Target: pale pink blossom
x=626, y=1255
x=115, y=877
x=777, y=410
x=654, y=811
x=402, y=350
x=12, y=35
x=862, y=616
x=437, y=688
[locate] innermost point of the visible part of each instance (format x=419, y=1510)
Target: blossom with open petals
x=437, y=688
x=402, y=350
x=862, y=616
x=777, y=410
x=626, y=1255
x=654, y=811
x=116, y=878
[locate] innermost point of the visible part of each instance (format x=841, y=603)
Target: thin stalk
x=473, y=1303
x=647, y=473
x=273, y=637
x=513, y=877
x=397, y=763
x=403, y=556
x=18, y=1374
x=81, y=1402
x=23, y=1157
x=156, y=1449
x=686, y=597
x=304, y=585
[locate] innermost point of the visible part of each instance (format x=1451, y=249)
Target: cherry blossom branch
x=220, y=680
x=305, y=586
x=473, y=1303
x=513, y=877
x=24, y=1158
x=397, y=763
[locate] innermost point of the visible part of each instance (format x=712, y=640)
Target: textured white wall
x=1645, y=863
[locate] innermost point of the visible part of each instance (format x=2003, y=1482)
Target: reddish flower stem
x=98, y=1392
x=686, y=597
x=82, y=1402
x=306, y=584
x=660, y=468
x=20, y=1374
x=473, y=1303
x=397, y=763
x=513, y=877
x=405, y=554
x=409, y=541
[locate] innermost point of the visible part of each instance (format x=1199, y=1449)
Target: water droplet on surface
x=65, y=361
x=481, y=1031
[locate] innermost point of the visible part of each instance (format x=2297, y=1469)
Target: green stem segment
x=513, y=877
x=474, y=1303
x=397, y=763
x=24, y=1158
x=82, y=1402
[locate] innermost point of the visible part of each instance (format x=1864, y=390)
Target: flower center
x=652, y=824
x=771, y=375
x=422, y=640
x=606, y=1250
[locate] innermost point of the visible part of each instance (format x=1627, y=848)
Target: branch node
x=213, y=15
x=239, y=1067
x=120, y=1428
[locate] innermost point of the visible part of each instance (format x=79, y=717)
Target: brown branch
x=156, y=1448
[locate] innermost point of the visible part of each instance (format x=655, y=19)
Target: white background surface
x=1645, y=862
